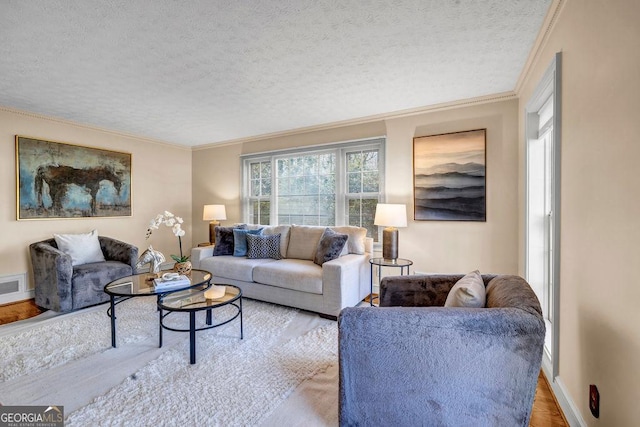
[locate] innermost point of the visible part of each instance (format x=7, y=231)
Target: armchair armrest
x=116, y=250
x=52, y=273
x=419, y=290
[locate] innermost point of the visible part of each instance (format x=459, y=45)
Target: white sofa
x=295, y=280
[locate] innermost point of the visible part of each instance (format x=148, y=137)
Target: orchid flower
x=170, y=220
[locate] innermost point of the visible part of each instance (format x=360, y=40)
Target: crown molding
x=486, y=99
x=541, y=41
x=92, y=128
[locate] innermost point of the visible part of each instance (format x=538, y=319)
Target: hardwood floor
x=18, y=311
x=546, y=412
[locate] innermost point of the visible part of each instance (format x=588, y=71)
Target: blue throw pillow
x=240, y=240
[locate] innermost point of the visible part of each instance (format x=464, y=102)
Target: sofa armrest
x=52, y=273
x=200, y=253
x=116, y=250
x=419, y=290
x=442, y=366
x=346, y=278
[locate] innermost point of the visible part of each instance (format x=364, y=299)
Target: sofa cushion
x=330, y=246
x=83, y=248
x=355, y=242
x=224, y=240
x=240, y=240
x=467, y=292
x=230, y=267
x=303, y=241
x=263, y=246
x=295, y=274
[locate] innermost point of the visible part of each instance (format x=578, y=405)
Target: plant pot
x=183, y=267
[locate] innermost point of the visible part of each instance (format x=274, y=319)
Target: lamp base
x=212, y=231
x=390, y=243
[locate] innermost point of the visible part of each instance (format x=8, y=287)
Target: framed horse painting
x=58, y=180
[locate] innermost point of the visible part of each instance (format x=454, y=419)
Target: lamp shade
x=214, y=212
x=391, y=215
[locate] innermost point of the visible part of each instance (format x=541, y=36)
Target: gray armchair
x=414, y=362
x=61, y=287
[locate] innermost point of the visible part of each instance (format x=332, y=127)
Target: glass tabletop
x=398, y=262
x=195, y=299
x=142, y=284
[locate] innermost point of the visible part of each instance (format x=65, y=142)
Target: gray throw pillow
x=224, y=240
x=330, y=246
x=259, y=246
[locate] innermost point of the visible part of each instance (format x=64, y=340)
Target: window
x=338, y=184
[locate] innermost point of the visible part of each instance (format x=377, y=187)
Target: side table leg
x=192, y=337
x=241, y=331
x=113, y=321
x=371, y=285
x=160, y=327
x=209, y=317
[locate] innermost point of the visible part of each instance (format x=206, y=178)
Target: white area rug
x=285, y=359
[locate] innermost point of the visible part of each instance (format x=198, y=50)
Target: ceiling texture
x=202, y=72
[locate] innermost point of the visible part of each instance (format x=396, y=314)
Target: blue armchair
x=61, y=287
x=414, y=362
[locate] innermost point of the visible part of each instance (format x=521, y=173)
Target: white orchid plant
x=175, y=222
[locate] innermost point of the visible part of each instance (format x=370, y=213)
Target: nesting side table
x=400, y=263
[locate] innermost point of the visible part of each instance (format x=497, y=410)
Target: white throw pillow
x=467, y=292
x=83, y=248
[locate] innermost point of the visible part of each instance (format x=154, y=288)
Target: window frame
x=341, y=149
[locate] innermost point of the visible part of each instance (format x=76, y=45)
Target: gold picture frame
x=56, y=180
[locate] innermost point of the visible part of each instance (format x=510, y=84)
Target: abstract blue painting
x=449, y=182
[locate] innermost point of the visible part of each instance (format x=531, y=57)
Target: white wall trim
x=568, y=406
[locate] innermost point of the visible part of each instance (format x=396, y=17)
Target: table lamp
x=390, y=216
x=213, y=213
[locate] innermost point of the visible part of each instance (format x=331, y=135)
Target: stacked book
x=181, y=281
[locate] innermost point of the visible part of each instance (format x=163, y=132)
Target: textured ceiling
x=201, y=71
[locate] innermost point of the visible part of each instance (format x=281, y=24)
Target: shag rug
x=234, y=382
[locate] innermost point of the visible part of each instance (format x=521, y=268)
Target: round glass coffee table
x=194, y=300
x=142, y=285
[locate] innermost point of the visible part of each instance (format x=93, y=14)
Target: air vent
x=12, y=288
x=9, y=287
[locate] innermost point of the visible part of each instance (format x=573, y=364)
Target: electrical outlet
x=594, y=400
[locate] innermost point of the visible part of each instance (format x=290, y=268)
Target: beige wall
x=161, y=179
x=599, y=316
x=434, y=246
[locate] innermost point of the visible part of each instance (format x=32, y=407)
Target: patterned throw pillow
x=240, y=240
x=330, y=246
x=263, y=246
x=224, y=240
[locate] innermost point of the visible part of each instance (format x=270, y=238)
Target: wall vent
x=9, y=287
x=13, y=288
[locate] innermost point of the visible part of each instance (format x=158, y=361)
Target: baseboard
x=567, y=404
